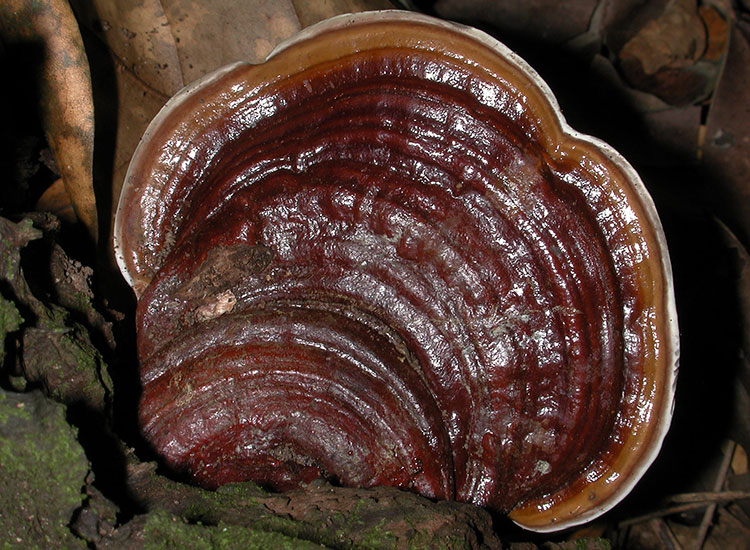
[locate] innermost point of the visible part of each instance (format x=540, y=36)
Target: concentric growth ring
x=382, y=258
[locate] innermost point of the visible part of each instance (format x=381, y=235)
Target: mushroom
x=382, y=257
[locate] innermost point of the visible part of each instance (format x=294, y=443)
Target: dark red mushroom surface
x=383, y=258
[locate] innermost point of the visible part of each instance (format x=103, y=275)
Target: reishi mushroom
x=382, y=257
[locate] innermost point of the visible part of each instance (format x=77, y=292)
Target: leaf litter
x=665, y=82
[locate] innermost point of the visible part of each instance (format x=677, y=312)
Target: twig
x=728, y=515
x=718, y=484
x=686, y=502
x=708, y=497
x=662, y=513
x=666, y=535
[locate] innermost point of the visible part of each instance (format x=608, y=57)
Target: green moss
x=377, y=538
x=80, y=302
x=205, y=503
x=54, y=320
x=164, y=531
x=208, y=505
x=10, y=321
x=16, y=235
x=422, y=541
x=71, y=368
x=360, y=524
x=10, y=318
x=593, y=544
x=9, y=411
x=580, y=544
x=245, y=490
x=90, y=361
x=43, y=469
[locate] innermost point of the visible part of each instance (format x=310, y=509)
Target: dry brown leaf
x=727, y=148
x=137, y=32
x=739, y=461
x=740, y=278
x=66, y=102
x=57, y=201
x=541, y=21
x=214, y=33
x=717, y=29
x=674, y=53
x=675, y=39
x=311, y=12
x=169, y=43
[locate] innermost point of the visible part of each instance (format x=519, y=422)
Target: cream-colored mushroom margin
x=139, y=249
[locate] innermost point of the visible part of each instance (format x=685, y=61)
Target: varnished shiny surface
x=392, y=267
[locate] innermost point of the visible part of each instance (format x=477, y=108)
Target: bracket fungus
x=382, y=257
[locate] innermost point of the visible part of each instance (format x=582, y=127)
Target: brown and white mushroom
x=382, y=257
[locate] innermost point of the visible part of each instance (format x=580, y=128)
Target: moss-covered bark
x=43, y=470
x=57, y=352
x=336, y=517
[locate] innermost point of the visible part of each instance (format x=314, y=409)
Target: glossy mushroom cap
x=382, y=257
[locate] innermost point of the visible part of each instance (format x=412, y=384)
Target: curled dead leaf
x=675, y=39
x=56, y=200
x=66, y=102
x=671, y=49
x=717, y=29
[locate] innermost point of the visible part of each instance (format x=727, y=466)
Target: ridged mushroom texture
x=382, y=257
